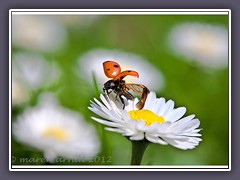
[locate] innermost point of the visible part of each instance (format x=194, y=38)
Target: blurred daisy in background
x=207, y=44
x=158, y=121
x=92, y=62
x=37, y=33
x=56, y=131
x=30, y=72
x=20, y=93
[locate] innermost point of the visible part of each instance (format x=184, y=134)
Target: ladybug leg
x=128, y=95
x=122, y=101
x=106, y=91
x=109, y=92
x=116, y=97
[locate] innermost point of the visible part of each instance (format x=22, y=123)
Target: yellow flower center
x=57, y=133
x=146, y=115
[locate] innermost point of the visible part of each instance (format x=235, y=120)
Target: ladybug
x=120, y=87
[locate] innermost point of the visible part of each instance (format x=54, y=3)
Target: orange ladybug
x=113, y=70
x=119, y=86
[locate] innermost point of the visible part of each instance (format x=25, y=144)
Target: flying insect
x=120, y=87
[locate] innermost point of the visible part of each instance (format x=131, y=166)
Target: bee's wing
x=137, y=88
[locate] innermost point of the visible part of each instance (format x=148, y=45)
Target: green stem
x=95, y=84
x=48, y=163
x=138, y=149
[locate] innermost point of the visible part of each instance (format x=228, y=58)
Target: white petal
x=107, y=123
x=100, y=106
x=130, y=133
x=163, y=128
x=161, y=108
x=98, y=102
x=181, y=145
x=115, y=130
x=105, y=102
x=196, y=130
x=175, y=114
x=191, y=134
x=150, y=100
x=185, y=119
x=193, y=124
x=139, y=136
x=134, y=103
x=159, y=103
x=168, y=108
x=155, y=139
x=141, y=125
x=110, y=115
x=100, y=113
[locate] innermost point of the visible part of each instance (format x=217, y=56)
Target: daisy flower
x=56, y=131
x=90, y=63
x=38, y=33
x=30, y=72
x=34, y=69
x=157, y=122
x=207, y=44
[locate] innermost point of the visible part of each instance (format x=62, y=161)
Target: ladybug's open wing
x=122, y=74
x=139, y=89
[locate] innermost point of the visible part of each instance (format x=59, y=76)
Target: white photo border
x=117, y=12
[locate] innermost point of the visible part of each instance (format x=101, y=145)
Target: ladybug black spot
x=108, y=69
x=116, y=66
x=129, y=71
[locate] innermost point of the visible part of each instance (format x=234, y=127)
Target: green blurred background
x=203, y=91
